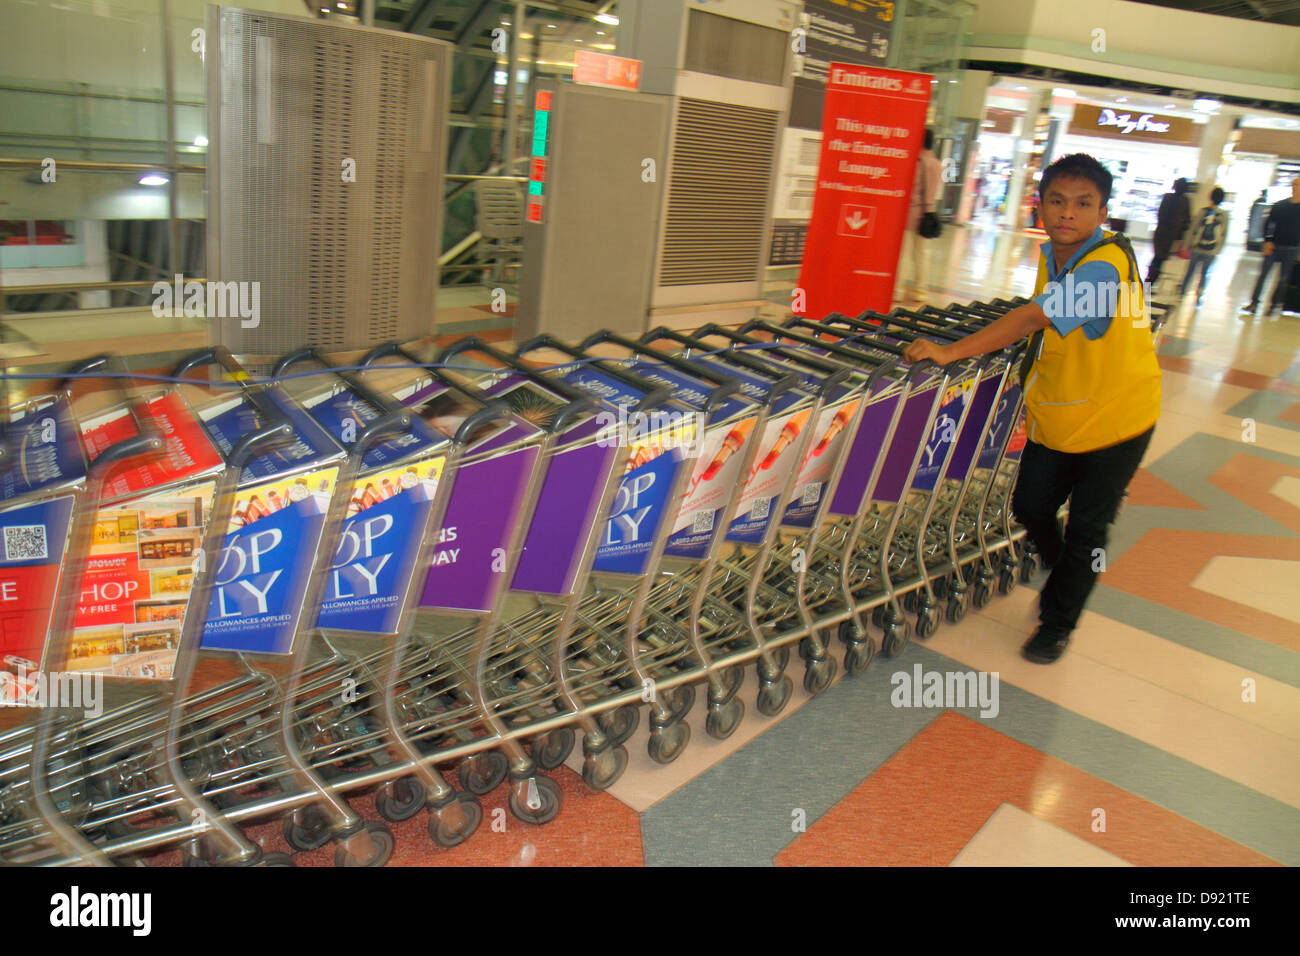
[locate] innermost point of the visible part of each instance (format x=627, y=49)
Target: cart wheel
x=927, y=623
x=896, y=638
x=1007, y=580
x=773, y=697
x=276, y=859
x=552, y=748
x=722, y=721
x=401, y=799
x=878, y=615
x=817, y=676
x=982, y=594
x=940, y=586
x=307, y=829
x=848, y=633
x=667, y=743
x=600, y=771
x=454, y=823
x=780, y=659
x=858, y=656
x=805, y=648
x=482, y=773
x=957, y=605
x=382, y=844
x=909, y=602
x=618, y=725
x=680, y=701
x=732, y=678
x=1028, y=567
x=538, y=803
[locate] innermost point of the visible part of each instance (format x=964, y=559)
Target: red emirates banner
x=873, y=125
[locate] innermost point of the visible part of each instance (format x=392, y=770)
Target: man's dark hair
x=928, y=143
x=1078, y=166
x=1217, y=195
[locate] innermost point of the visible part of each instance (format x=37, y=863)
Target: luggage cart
x=757, y=579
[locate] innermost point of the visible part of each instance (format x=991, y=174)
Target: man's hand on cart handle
x=1012, y=327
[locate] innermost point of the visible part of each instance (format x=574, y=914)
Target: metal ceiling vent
x=326, y=149
x=722, y=167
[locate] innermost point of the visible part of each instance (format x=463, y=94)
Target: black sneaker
x=1046, y=646
x=1252, y=308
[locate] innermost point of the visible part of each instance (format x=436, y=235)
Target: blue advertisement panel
x=229, y=424
x=1003, y=419
x=942, y=435
x=689, y=390
x=267, y=560
x=345, y=416
x=374, y=562
x=640, y=506
x=45, y=450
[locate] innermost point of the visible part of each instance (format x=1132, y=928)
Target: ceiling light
x=550, y=26
x=1205, y=104
x=1062, y=91
x=600, y=33
x=1022, y=88
x=1171, y=106
x=200, y=140
x=154, y=179
x=607, y=18
x=1121, y=99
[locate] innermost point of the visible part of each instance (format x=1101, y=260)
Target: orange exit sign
x=597, y=69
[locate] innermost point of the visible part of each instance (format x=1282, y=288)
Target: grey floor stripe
x=740, y=812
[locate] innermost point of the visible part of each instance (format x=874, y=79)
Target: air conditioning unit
x=727, y=67
x=325, y=178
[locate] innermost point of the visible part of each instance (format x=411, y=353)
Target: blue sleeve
x=1085, y=298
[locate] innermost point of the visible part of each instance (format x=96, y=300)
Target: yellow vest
x=1083, y=394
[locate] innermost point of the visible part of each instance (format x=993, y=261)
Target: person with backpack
x=1172, y=219
x=1091, y=385
x=1206, y=239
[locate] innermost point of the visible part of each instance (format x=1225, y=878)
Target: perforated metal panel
x=722, y=169
x=326, y=152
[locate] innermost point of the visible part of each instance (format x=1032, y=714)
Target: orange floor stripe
x=928, y=800
x=1223, y=373
x=1162, y=564
x=1147, y=489
x=1250, y=478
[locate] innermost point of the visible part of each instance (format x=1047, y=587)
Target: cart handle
x=782, y=383
x=276, y=429
x=494, y=409
x=947, y=332
x=809, y=361
x=394, y=417
x=579, y=402
x=653, y=394
x=146, y=440
x=398, y=349
x=724, y=386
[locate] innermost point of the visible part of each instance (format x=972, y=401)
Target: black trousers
x=1094, y=482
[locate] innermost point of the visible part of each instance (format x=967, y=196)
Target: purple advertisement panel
x=967, y=442
x=942, y=435
x=261, y=578
x=868, y=445
x=902, y=449
x=565, y=512
x=640, y=507
x=465, y=570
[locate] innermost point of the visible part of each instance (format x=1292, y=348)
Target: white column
x=1038, y=99
x=1214, y=137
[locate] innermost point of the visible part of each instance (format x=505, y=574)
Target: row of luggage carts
x=400, y=567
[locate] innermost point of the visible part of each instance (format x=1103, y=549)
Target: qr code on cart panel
x=762, y=506
x=703, y=522
x=26, y=542
x=811, y=493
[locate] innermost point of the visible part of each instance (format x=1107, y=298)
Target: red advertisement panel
x=873, y=124
x=188, y=450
